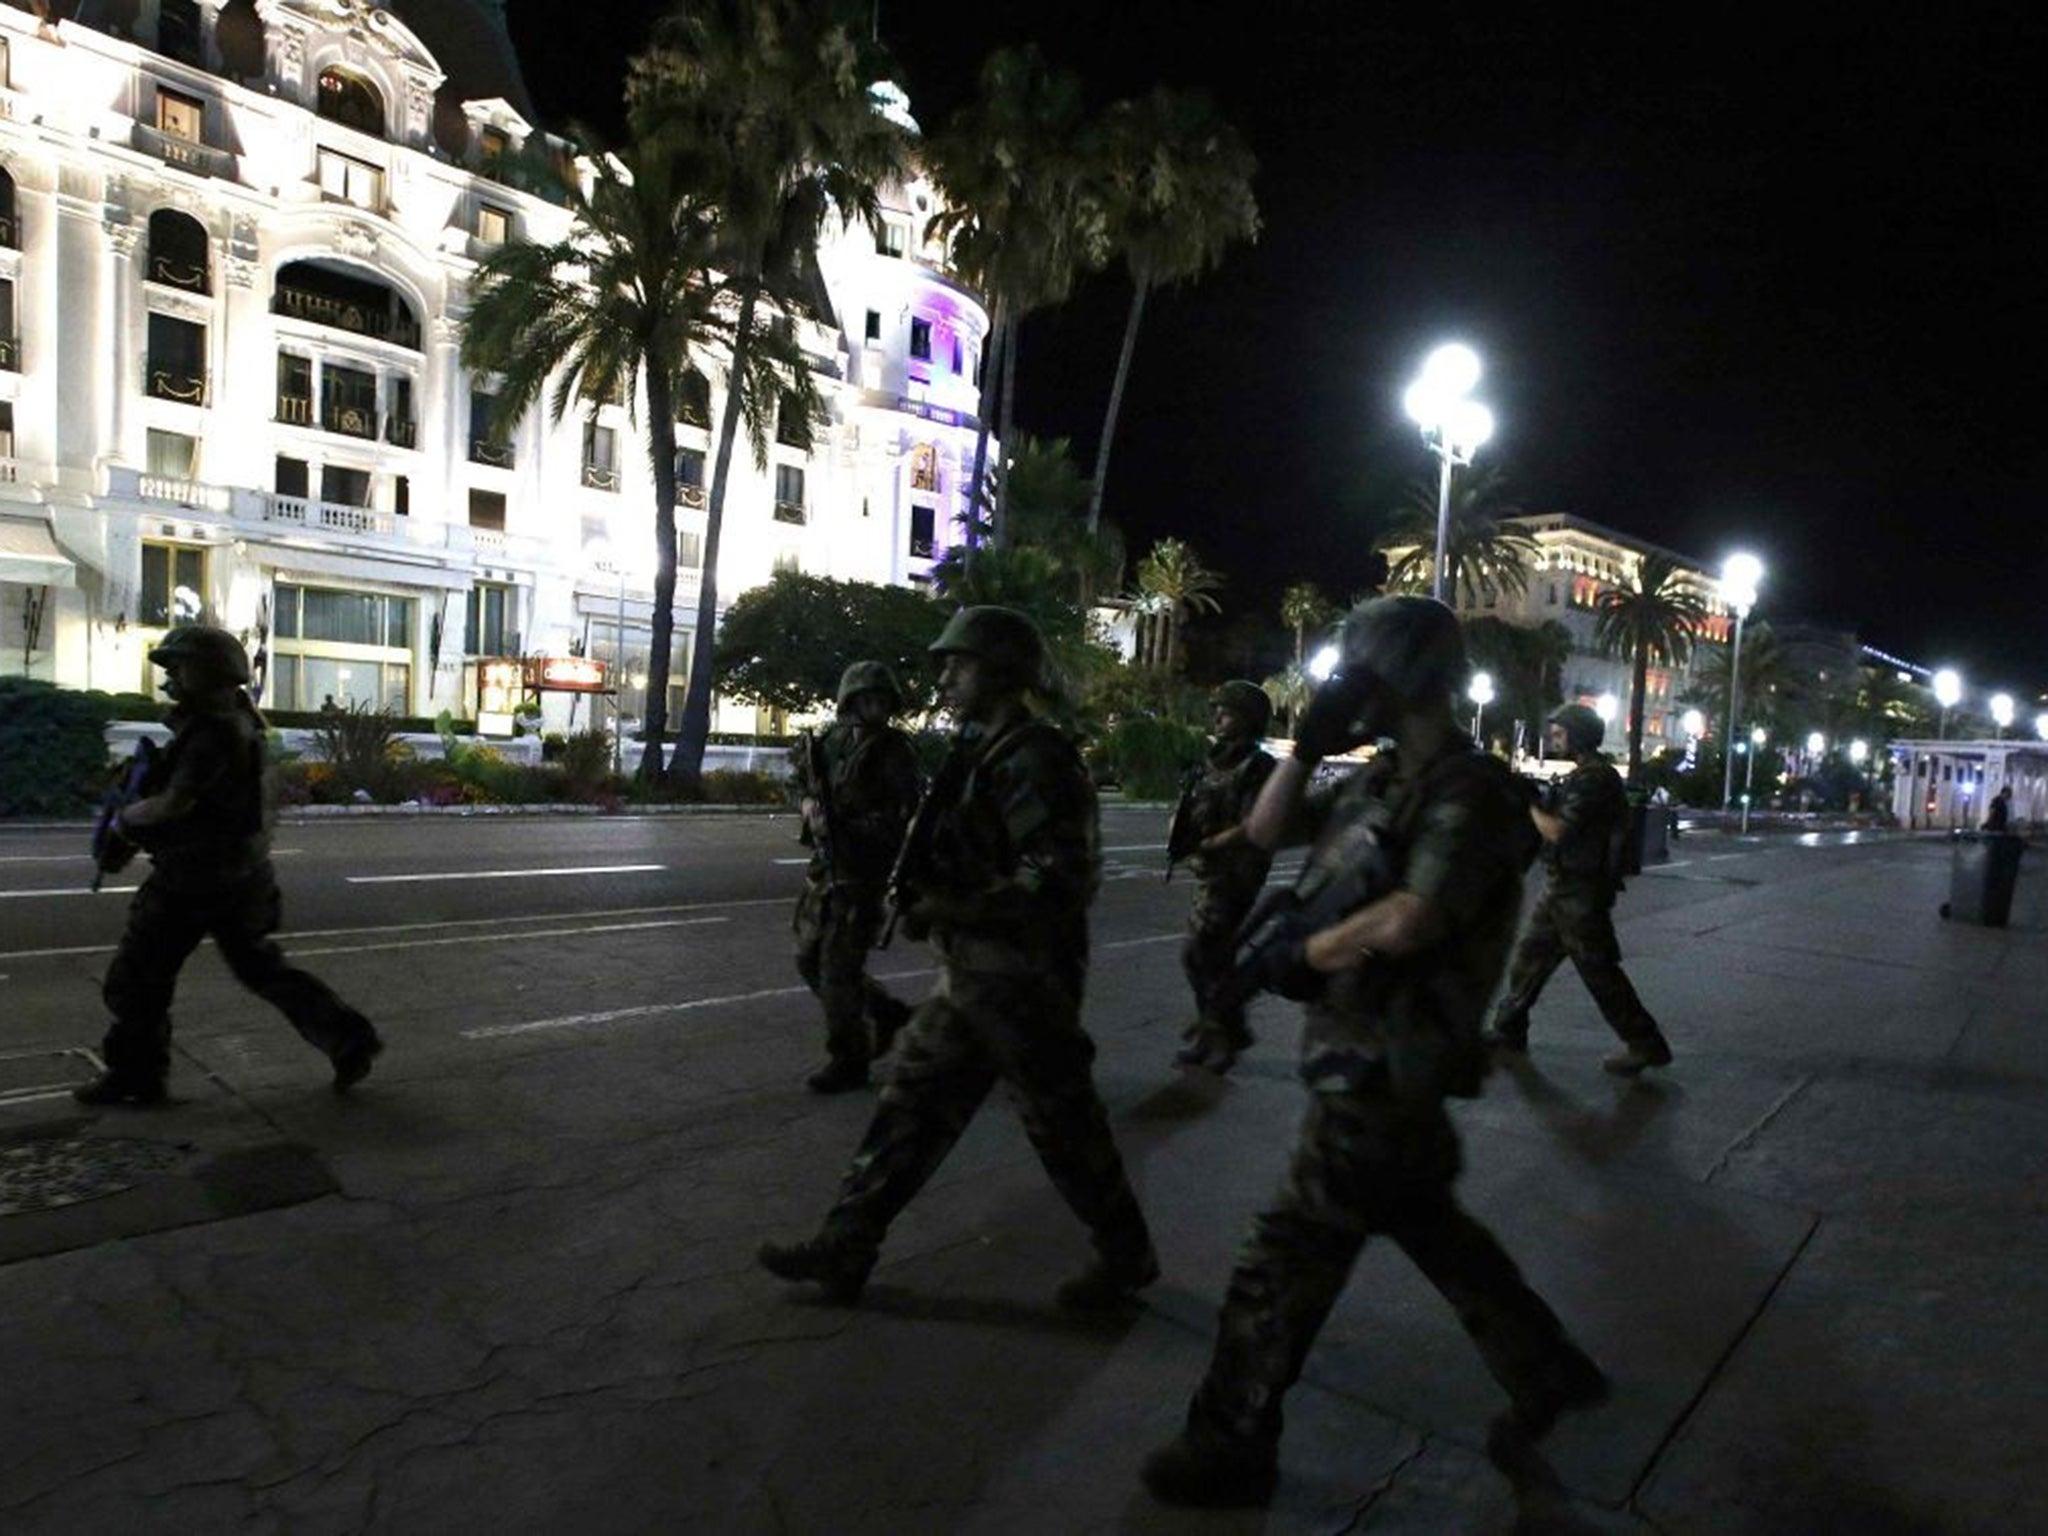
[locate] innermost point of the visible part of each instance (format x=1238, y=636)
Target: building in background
x=236, y=243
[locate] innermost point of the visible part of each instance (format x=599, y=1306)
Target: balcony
x=600, y=478
x=184, y=154
x=295, y=410
x=349, y=418
x=401, y=431
x=484, y=450
x=329, y=516
x=790, y=512
x=176, y=384
x=692, y=496
x=350, y=315
x=192, y=277
x=10, y=354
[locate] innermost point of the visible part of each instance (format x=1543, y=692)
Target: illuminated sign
x=566, y=674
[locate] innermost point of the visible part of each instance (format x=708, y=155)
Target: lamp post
x=1454, y=426
x=1757, y=738
x=2001, y=712
x=1480, y=692
x=1948, y=692
x=601, y=557
x=1740, y=574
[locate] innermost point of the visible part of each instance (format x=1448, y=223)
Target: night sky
x=1766, y=281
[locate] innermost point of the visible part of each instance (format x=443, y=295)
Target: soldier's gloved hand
x=116, y=853
x=1287, y=973
x=1328, y=725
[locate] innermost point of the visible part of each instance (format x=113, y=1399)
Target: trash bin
x=1982, y=873
x=1648, y=839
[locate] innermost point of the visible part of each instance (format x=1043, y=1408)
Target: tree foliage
x=1481, y=552
x=784, y=645
x=1651, y=620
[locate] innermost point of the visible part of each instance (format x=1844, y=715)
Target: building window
x=351, y=181
x=178, y=256
x=924, y=467
x=10, y=344
x=401, y=428
x=322, y=296
x=351, y=101
x=923, y=528
x=874, y=330
x=489, y=442
x=348, y=400
x=179, y=116
x=341, y=486
x=7, y=438
x=173, y=455
x=401, y=496
x=493, y=225
x=958, y=357
x=490, y=626
x=294, y=390
x=600, y=457
x=690, y=550
x=6, y=65
x=789, y=493
x=921, y=340
x=793, y=422
x=177, y=360
x=10, y=227
x=788, y=562
x=493, y=145
x=689, y=469
x=173, y=585
x=693, y=399
x=290, y=477
x=487, y=510
x=891, y=239
x=338, y=647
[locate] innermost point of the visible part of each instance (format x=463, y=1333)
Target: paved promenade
x=520, y=1298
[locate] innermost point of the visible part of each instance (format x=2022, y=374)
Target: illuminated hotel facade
x=235, y=251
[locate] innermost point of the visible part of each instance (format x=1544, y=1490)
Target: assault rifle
x=111, y=851
x=1183, y=837
x=817, y=834
x=1271, y=953
x=914, y=861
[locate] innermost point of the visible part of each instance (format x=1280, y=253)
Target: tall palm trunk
x=687, y=767
x=661, y=436
x=1116, y=402
x=1639, y=682
x=1008, y=443
x=991, y=377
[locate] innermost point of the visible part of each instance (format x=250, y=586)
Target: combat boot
x=1109, y=1285
x=842, y=1074
x=1650, y=1051
x=352, y=1061
x=840, y=1268
x=1211, y=1475
x=1571, y=1385
x=1506, y=1035
x=116, y=1088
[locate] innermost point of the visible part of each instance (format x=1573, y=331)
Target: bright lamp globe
x=1741, y=574
x=1453, y=368
x=1481, y=689
x=1694, y=722
x=1425, y=403
x=2001, y=710
x=1323, y=663
x=2041, y=726
x=1948, y=687
x=1470, y=425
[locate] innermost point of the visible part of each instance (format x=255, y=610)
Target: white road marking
x=613, y=1015
x=501, y=938
x=505, y=874
x=81, y=858
x=1135, y=848
x=72, y=890
x=1157, y=938
x=804, y=860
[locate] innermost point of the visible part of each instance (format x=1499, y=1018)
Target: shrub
x=734, y=786
x=360, y=743
x=53, y=748
x=585, y=762
x=1150, y=756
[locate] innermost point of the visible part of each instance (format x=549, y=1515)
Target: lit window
x=789, y=493
x=351, y=101
x=891, y=240
x=173, y=585
x=921, y=340
x=179, y=116
x=351, y=181
x=923, y=522
x=173, y=455
x=493, y=225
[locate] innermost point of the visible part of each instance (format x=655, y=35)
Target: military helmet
x=216, y=652
x=1244, y=698
x=870, y=677
x=1004, y=638
x=1411, y=644
x=1584, y=729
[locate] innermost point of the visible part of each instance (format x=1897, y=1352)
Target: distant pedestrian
x=858, y=787
x=204, y=821
x=999, y=870
x=1998, y=814
x=1583, y=830
x=1230, y=870
x=1399, y=991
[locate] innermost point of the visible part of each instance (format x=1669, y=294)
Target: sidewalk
x=1814, y=1256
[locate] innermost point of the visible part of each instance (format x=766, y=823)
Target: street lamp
x=601, y=558
x=1323, y=663
x=1454, y=426
x=1480, y=692
x=1948, y=692
x=2041, y=726
x=2001, y=712
x=1757, y=738
x=1858, y=751
x=1816, y=744
x=1606, y=707
x=1693, y=723
x=1740, y=576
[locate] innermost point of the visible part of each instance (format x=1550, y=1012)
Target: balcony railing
x=789, y=512
x=346, y=315
x=401, y=431
x=172, y=273
x=185, y=154
x=334, y=517
x=295, y=410
x=10, y=354
x=484, y=450
x=177, y=384
x=349, y=418
x=691, y=496
x=600, y=478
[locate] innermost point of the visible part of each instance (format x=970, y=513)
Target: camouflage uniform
x=1230, y=880
x=1016, y=843
x=1575, y=915
x=212, y=876
x=1377, y=1154
x=872, y=790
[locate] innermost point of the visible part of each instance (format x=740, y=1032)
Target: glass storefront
x=346, y=647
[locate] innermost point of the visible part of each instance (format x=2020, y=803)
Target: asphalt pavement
x=508, y=1285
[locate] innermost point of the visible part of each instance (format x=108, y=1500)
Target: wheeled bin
x=1983, y=869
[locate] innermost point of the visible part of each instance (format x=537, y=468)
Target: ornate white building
x=236, y=241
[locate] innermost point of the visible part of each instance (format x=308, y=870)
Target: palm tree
x=1172, y=585
x=1021, y=215
x=1480, y=551
x=1526, y=661
x=1044, y=497
x=770, y=100
x=619, y=300
x=1655, y=619
x=1302, y=608
x=1179, y=191
x=1768, y=681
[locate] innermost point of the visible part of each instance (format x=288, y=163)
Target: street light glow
x=1605, y=707
x=1480, y=690
x=1693, y=722
x=1858, y=751
x=2001, y=710
x=1467, y=427
x=1816, y=744
x=1759, y=736
x=2041, y=726
x=1948, y=687
x=1452, y=368
x=1454, y=426
x=1741, y=574
x=1323, y=663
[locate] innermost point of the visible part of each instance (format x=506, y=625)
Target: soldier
x=1581, y=830
x=204, y=820
x=1394, y=1029
x=859, y=787
x=998, y=870
x=1230, y=871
